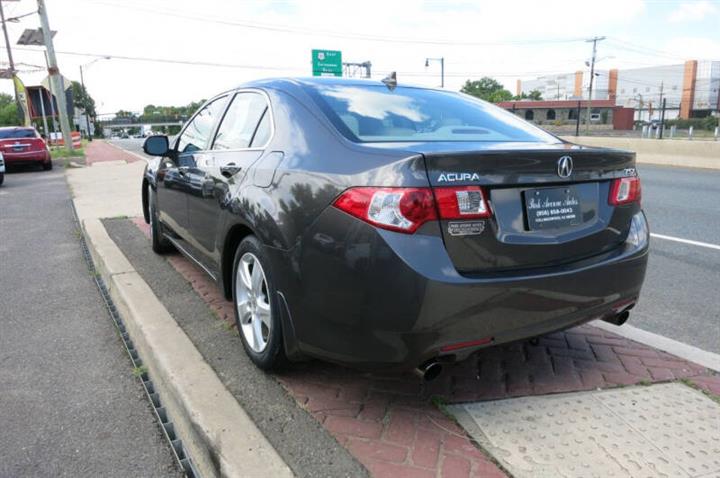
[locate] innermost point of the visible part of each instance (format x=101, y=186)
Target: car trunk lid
x=21, y=145
x=538, y=217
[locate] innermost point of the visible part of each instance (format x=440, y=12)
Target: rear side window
x=370, y=113
x=242, y=123
x=18, y=133
x=196, y=135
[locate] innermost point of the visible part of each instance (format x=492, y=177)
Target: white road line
x=686, y=241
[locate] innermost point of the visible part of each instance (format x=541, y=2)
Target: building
x=560, y=112
x=690, y=90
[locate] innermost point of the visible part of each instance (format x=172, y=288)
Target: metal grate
x=168, y=429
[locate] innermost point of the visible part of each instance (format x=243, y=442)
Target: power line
x=336, y=34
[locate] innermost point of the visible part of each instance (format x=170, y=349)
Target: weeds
x=139, y=371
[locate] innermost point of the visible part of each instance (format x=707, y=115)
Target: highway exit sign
x=326, y=63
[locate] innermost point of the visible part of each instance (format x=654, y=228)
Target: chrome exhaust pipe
x=429, y=370
x=618, y=319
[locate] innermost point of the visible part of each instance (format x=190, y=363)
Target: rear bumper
x=372, y=298
x=24, y=158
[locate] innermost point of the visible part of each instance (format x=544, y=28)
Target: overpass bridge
x=112, y=125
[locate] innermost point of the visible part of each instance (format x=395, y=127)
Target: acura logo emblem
x=565, y=167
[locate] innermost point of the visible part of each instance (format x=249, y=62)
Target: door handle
x=230, y=169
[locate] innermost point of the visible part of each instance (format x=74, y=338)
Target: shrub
x=708, y=123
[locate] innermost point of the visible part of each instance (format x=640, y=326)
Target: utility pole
x=52, y=103
x=577, y=121
x=55, y=78
x=85, y=105
x=662, y=117
x=20, y=110
x=594, y=41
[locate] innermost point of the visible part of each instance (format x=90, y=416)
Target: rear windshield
x=369, y=113
x=17, y=133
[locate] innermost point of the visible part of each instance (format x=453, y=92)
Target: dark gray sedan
x=389, y=226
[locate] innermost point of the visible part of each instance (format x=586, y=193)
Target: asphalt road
x=680, y=299
x=69, y=404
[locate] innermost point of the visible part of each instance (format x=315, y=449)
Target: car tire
x=256, y=306
x=47, y=166
x=2, y=178
x=160, y=243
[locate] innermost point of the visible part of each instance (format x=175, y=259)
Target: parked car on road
x=390, y=226
x=23, y=145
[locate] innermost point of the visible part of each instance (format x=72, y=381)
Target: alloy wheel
x=252, y=302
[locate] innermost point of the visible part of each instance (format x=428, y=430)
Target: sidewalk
x=397, y=426
x=391, y=425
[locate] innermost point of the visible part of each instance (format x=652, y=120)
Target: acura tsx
x=379, y=225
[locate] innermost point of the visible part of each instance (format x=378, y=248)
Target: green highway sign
x=326, y=63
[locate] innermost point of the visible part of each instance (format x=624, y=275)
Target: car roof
x=323, y=81
x=6, y=128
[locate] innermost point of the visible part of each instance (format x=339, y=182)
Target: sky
x=221, y=44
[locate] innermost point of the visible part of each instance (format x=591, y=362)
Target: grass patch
x=139, y=371
x=64, y=153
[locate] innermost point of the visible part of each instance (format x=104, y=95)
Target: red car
x=24, y=145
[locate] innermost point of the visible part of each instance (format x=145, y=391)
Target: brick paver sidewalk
x=99, y=151
x=390, y=424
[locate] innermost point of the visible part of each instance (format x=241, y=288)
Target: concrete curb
x=217, y=433
x=688, y=352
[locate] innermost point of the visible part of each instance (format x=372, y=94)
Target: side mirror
x=157, y=145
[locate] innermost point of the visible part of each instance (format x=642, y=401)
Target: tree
x=8, y=110
x=82, y=100
x=534, y=95
x=488, y=89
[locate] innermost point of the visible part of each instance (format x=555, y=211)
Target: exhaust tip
x=618, y=319
x=429, y=371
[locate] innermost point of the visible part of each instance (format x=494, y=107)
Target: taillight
x=406, y=209
x=624, y=191
x=462, y=202
x=396, y=209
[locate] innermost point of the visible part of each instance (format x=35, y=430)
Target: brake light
x=406, y=209
x=396, y=209
x=625, y=191
x=462, y=202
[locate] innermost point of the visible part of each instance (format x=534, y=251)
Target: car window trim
x=257, y=126
x=213, y=130
x=268, y=108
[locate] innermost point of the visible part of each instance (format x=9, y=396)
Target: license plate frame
x=552, y=208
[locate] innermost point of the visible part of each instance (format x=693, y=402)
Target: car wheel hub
x=252, y=302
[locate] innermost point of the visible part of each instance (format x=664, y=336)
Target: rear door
x=548, y=204
x=239, y=141
x=174, y=175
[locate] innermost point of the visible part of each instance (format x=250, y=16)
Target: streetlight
x=82, y=82
x=442, y=68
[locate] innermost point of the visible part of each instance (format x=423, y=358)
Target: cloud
x=692, y=11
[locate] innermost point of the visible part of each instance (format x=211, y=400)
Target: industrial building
x=690, y=89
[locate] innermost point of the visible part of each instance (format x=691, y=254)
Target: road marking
x=688, y=352
x=686, y=241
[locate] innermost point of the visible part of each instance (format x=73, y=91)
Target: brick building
x=566, y=111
